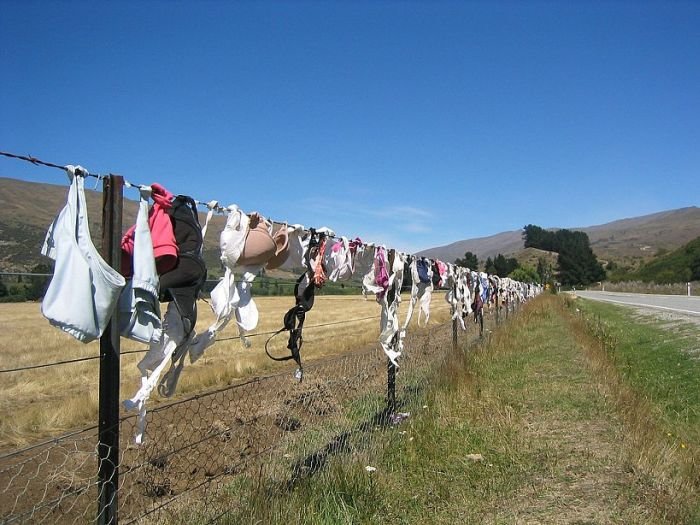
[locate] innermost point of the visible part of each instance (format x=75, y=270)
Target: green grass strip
x=520, y=429
x=659, y=359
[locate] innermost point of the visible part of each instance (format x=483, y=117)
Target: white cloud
x=402, y=212
x=414, y=227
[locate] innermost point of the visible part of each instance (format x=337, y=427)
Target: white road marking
x=692, y=312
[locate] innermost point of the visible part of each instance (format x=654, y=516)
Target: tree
x=504, y=266
x=536, y=237
x=695, y=268
x=578, y=265
x=525, y=274
x=38, y=284
x=489, y=267
x=3, y=289
x=470, y=261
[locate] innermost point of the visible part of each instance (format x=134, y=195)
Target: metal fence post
x=108, y=445
x=391, y=386
x=498, y=310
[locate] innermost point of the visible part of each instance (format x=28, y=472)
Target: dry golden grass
x=44, y=402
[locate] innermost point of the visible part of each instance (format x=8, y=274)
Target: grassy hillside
x=27, y=209
x=680, y=265
x=628, y=242
x=530, y=257
x=505, y=243
x=640, y=238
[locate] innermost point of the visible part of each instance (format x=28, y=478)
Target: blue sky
x=414, y=124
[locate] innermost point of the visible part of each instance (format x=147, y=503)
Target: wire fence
x=201, y=451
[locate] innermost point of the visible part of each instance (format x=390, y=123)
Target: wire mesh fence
x=201, y=452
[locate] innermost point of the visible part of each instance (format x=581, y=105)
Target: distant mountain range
x=27, y=209
x=627, y=240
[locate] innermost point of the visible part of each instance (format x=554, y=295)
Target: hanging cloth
x=212, y=206
x=165, y=247
x=180, y=287
x=84, y=290
x=139, y=308
x=304, y=294
x=166, y=341
x=225, y=297
x=391, y=336
x=452, y=295
x=421, y=290
x=340, y=261
x=376, y=280
x=464, y=291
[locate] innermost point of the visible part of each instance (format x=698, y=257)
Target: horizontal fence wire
x=255, y=334
x=203, y=454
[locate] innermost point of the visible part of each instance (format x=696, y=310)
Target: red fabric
x=442, y=267
x=381, y=274
x=355, y=244
x=162, y=234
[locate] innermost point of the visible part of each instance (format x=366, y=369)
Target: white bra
x=84, y=289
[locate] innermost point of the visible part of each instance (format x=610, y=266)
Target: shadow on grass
x=341, y=443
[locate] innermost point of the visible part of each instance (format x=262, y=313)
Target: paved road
x=673, y=303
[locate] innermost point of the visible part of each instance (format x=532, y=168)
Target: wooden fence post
x=108, y=445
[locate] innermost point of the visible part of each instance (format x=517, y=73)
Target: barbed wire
x=217, y=208
x=37, y=162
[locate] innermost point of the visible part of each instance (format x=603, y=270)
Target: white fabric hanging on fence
x=465, y=292
x=391, y=336
x=298, y=240
x=212, y=208
x=484, y=280
x=169, y=344
x=453, y=295
x=84, y=289
x=230, y=298
x=166, y=341
x=370, y=282
x=139, y=308
x=339, y=261
x=420, y=293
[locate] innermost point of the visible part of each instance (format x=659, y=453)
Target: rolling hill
x=628, y=241
x=27, y=208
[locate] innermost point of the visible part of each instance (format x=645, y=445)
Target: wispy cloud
x=415, y=227
x=402, y=212
x=404, y=227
